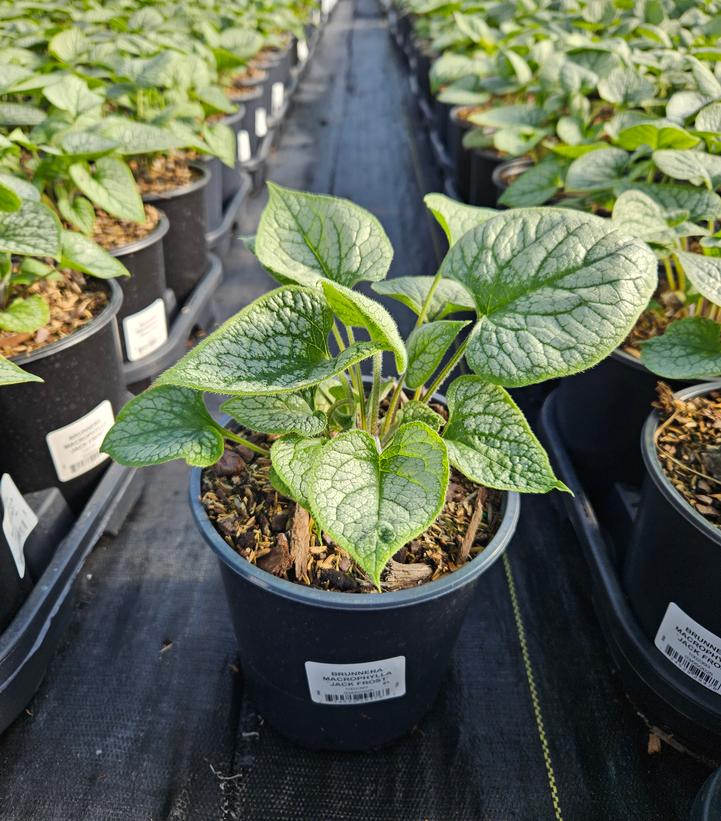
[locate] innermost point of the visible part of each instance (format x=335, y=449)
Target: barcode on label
x=352, y=698
x=688, y=666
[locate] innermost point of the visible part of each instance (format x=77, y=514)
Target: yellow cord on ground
x=535, y=700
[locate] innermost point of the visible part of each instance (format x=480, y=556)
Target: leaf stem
x=427, y=301
x=445, y=371
x=393, y=405
x=374, y=400
x=228, y=434
x=356, y=376
x=668, y=268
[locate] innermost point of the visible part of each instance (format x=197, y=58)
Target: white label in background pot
x=75, y=448
x=691, y=647
x=145, y=331
x=244, y=152
x=261, y=122
x=301, y=51
x=276, y=96
x=346, y=684
x=18, y=520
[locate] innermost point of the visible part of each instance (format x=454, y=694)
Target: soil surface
x=688, y=443
x=162, y=173
x=73, y=300
x=111, y=232
x=277, y=535
x=665, y=308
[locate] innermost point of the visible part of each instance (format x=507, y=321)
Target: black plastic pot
x=248, y=140
x=674, y=553
x=14, y=589
x=459, y=156
x=422, y=62
x=277, y=66
x=213, y=191
x=482, y=189
x=601, y=413
x=83, y=380
x=230, y=176
x=142, y=290
x=257, y=121
x=505, y=172
x=281, y=627
x=707, y=806
x=184, y=246
x=442, y=115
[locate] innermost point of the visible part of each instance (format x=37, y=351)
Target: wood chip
x=470, y=536
x=300, y=541
x=400, y=576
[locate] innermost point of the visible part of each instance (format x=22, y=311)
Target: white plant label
x=244, y=152
x=18, y=520
x=277, y=93
x=75, y=448
x=302, y=51
x=345, y=684
x=261, y=122
x=691, y=647
x=145, y=331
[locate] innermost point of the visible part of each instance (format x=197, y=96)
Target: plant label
x=692, y=648
x=301, y=51
x=261, y=122
x=344, y=684
x=244, y=152
x=75, y=448
x=18, y=520
x=145, y=331
x=277, y=94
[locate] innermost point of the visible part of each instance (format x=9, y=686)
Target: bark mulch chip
x=111, y=232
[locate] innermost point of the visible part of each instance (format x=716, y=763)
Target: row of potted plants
x=612, y=109
x=113, y=125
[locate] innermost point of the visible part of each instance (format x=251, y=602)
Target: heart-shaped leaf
x=455, y=218
x=704, y=273
x=307, y=237
x=32, y=230
x=597, y=170
x=689, y=349
x=637, y=215
x=656, y=134
x=293, y=457
x=111, y=186
x=427, y=345
x=536, y=185
x=415, y=411
x=556, y=291
x=449, y=297
x=20, y=114
x=625, y=86
x=83, y=254
x=68, y=45
x=490, y=441
x=162, y=424
x=26, y=315
x=357, y=310
x=12, y=374
x=72, y=95
x=372, y=503
x=288, y=413
x=139, y=138
x=708, y=119
x=697, y=167
x=278, y=344
x=86, y=144
x=78, y=211
x=700, y=203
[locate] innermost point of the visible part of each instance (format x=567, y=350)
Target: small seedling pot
x=257, y=122
x=213, y=191
x=184, y=245
x=248, y=137
x=460, y=157
x=143, y=292
x=674, y=555
x=52, y=431
x=506, y=172
x=483, y=190
x=396, y=642
x=231, y=176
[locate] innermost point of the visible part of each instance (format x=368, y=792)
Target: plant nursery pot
x=323, y=666
x=672, y=568
x=231, y=176
x=422, y=67
x=14, y=589
x=460, y=157
x=142, y=317
x=52, y=431
x=442, y=114
x=707, y=806
x=277, y=66
x=184, y=246
x=247, y=137
x=213, y=191
x=482, y=189
x=258, y=108
x=601, y=413
x=505, y=173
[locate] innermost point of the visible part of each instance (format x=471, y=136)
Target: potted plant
x=331, y=487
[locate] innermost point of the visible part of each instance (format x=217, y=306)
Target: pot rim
x=256, y=81
x=160, y=230
x=76, y=337
x=236, y=116
x=172, y=193
x=256, y=92
x=657, y=474
x=459, y=121
x=497, y=173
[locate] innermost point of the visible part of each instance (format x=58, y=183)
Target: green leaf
x=12, y=374
x=83, y=254
x=162, y=424
x=24, y=189
x=278, y=344
x=221, y=141
x=139, y=138
x=32, y=230
x=490, y=441
x=307, y=237
x=12, y=114
x=86, y=144
x=448, y=298
x=700, y=203
x=455, y=218
x=427, y=345
x=704, y=273
x=289, y=413
x=625, y=86
x=24, y=316
x=357, y=310
x=214, y=98
x=293, y=457
x=415, y=411
x=709, y=119
x=536, y=185
x=689, y=349
x=697, y=167
x=598, y=170
x=111, y=186
x=638, y=215
x=373, y=503
x=78, y=211
x=72, y=95
x=9, y=200
x=656, y=134
x=68, y=45
x=243, y=42
x=509, y=115
x=556, y=291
